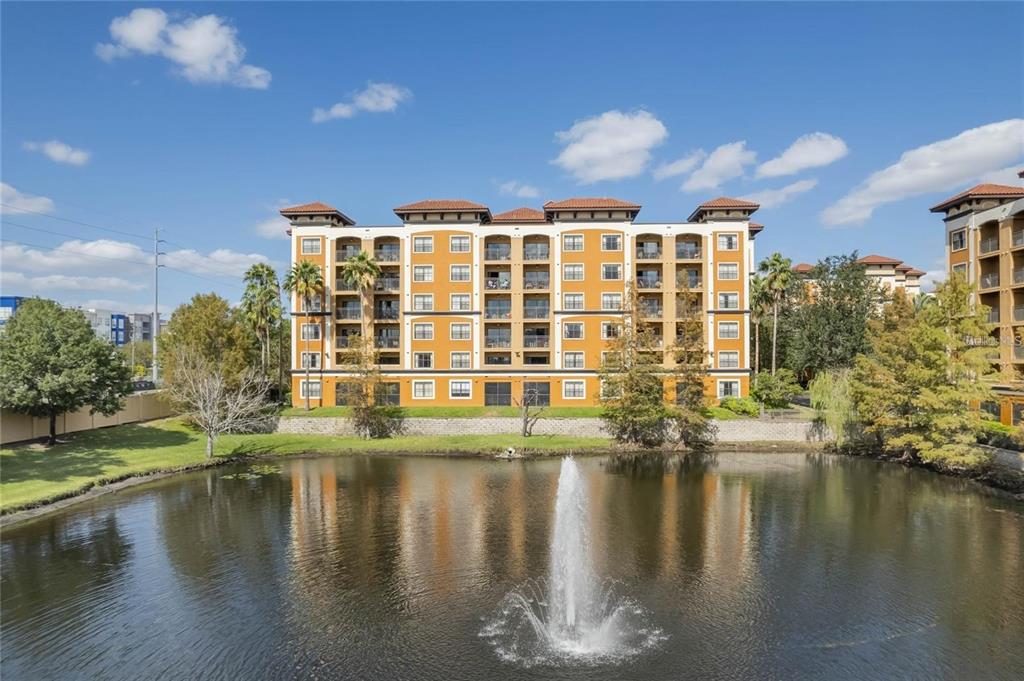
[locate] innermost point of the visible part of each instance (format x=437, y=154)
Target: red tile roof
x=878, y=260
x=523, y=214
x=903, y=268
x=584, y=203
x=316, y=208
x=726, y=202
x=435, y=205
x=988, y=190
x=916, y=273
x=755, y=227
x=803, y=268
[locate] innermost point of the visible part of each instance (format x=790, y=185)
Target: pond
x=735, y=566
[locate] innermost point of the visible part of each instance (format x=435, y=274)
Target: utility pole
x=155, y=326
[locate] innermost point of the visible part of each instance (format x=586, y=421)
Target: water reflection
x=756, y=566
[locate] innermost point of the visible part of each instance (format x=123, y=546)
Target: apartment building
x=890, y=273
x=475, y=308
x=985, y=243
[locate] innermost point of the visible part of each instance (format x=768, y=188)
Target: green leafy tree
x=693, y=427
x=306, y=280
x=261, y=307
x=775, y=391
x=760, y=307
x=207, y=326
x=369, y=418
x=778, y=275
x=917, y=391
x=832, y=399
x=138, y=355
x=51, y=363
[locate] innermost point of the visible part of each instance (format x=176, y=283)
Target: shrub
x=775, y=391
x=744, y=406
x=999, y=435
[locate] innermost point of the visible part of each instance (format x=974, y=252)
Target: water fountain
x=572, y=615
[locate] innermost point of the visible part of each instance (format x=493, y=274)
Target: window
x=498, y=394
x=728, y=270
x=537, y=393
x=385, y=394
x=1017, y=413
x=310, y=332
x=459, y=390
x=423, y=244
x=960, y=269
x=422, y=390
x=728, y=330
x=572, y=272
x=423, y=273
x=610, y=272
x=311, y=246
x=611, y=242
x=460, y=360
x=574, y=390
x=423, y=331
x=459, y=272
x=572, y=242
x=611, y=301
x=458, y=244
x=460, y=302
x=311, y=360
x=609, y=330
x=610, y=358
x=728, y=360
x=423, y=302
x=728, y=389
x=572, y=330
x=459, y=331
x=573, y=360
x=315, y=304
x=728, y=301
x=728, y=242
x=572, y=301
x=310, y=389
x=423, y=360
x=958, y=240
x=346, y=393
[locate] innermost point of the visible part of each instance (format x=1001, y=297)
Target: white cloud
x=516, y=188
x=15, y=202
x=222, y=262
x=680, y=166
x=612, y=146
x=945, y=165
x=724, y=163
x=205, y=49
x=22, y=283
x=376, y=98
x=810, y=151
x=274, y=227
x=122, y=306
x=1007, y=175
x=59, y=152
x=771, y=198
x=932, y=278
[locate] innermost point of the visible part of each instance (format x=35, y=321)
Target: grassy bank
x=455, y=412
x=32, y=474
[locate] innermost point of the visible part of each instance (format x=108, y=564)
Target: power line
x=133, y=235
x=77, y=237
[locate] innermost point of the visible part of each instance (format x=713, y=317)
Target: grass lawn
x=31, y=474
x=454, y=412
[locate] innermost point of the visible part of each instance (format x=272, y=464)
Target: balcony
x=1018, y=238
x=536, y=252
x=498, y=253
x=346, y=252
x=689, y=281
x=993, y=316
x=648, y=281
x=1018, y=314
x=346, y=341
x=348, y=313
x=386, y=255
x=536, y=341
x=536, y=312
x=500, y=283
x=1018, y=354
x=498, y=341
x=497, y=358
x=1018, y=276
x=498, y=312
x=385, y=342
x=990, y=280
x=648, y=252
x=385, y=314
x=990, y=244
x=651, y=310
x=685, y=251
x=536, y=281
x=344, y=286
x=386, y=284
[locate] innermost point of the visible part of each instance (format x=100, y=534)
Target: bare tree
x=529, y=410
x=215, y=403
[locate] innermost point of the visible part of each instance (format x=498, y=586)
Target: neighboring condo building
x=985, y=243
x=474, y=308
x=8, y=305
x=890, y=273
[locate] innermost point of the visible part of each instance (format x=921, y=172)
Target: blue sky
x=200, y=119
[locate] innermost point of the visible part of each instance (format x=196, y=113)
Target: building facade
x=8, y=305
x=890, y=273
x=984, y=231
x=474, y=308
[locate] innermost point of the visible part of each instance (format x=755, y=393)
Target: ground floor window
x=498, y=394
x=728, y=389
x=537, y=393
x=386, y=394
x=574, y=390
x=423, y=390
x=1018, y=413
x=310, y=389
x=991, y=408
x=460, y=390
x=345, y=393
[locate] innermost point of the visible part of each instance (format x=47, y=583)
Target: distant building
x=118, y=329
x=140, y=327
x=890, y=273
x=8, y=304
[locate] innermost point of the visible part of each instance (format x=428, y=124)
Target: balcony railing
x=501, y=342
x=347, y=252
x=682, y=311
x=536, y=283
x=688, y=252
x=502, y=359
x=993, y=316
x=688, y=282
x=501, y=284
x=651, y=310
x=386, y=284
x=647, y=281
x=536, y=313
x=1018, y=275
x=348, y=313
x=385, y=342
x=496, y=253
x=341, y=285
x=346, y=341
x=536, y=341
x=385, y=314
x=498, y=313
x=648, y=252
x=1018, y=314
x=990, y=280
x=1018, y=238
x=536, y=252
x=386, y=255
x=989, y=244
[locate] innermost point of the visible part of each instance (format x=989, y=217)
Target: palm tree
x=778, y=273
x=360, y=271
x=306, y=280
x=261, y=305
x=923, y=301
x=760, y=303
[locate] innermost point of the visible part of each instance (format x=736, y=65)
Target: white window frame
x=451, y=243
x=611, y=250
x=426, y=270
x=454, y=296
x=735, y=325
x=429, y=297
x=567, y=265
x=735, y=265
x=565, y=297
x=311, y=240
x=566, y=364
x=304, y=336
x=617, y=308
x=316, y=305
x=728, y=293
x=423, y=383
x=962, y=233
x=451, y=331
x=451, y=273
x=469, y=359
x=451, y=388
x=580, y=382
x=417, y=355
x=309, y=354
x=722, y=382
x=428, y=326
x=304, y=389
x=611, y=264
x=726, y=235
x=605, y=325
x=960, y=267
x=604, y=356
x=417, y=240
x=574, y=236
x=732, y=365
x=565, y=330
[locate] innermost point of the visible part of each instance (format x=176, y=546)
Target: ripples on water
x=774, y=566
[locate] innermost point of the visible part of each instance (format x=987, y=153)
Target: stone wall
x=746, y=430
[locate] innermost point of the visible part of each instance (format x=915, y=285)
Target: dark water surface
x=753, y=567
